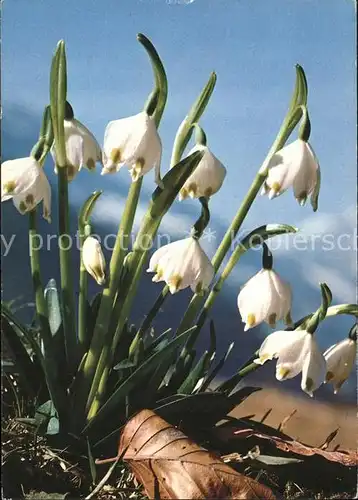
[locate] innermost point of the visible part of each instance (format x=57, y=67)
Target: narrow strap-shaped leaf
x=138, y=377
x=197, y=373
x=211, y=376
x=28, y=368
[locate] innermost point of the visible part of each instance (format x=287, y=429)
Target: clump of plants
x=87, y=367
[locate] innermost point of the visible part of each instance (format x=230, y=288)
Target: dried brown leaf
x=166, y=461
x=229, y=431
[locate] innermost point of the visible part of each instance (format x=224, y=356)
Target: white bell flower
x=294, y=165
x=24, y=181
x=340, y=359
x=93, y=259
x=181, y=264
x=296, y=351
x=132, y=141
x=82, y=148
x=207, y=178
x=265, y=297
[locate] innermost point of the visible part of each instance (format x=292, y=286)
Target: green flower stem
x=98, y=355
x=58, y=93
x=47, y=360
x=102, y=334
x=138, y=259
x=290, y=121
x=68, y=300
x=41, y=307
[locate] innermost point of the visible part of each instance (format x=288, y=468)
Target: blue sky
x=253, y=45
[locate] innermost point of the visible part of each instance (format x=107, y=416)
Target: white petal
x=340, y=360
x=306, y=178
x=314, y=368
x=255, y=298
x=279, y=341
x=137, y=140
x=181, y=264
x=40, y=191
x=23, y=172
x=208, y=176
x=292, y=356
x=281, y=301
x=284, y=167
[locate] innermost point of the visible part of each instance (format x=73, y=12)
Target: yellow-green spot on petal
x=22, y=206
x=208, y=192
x=91, y=164
x=309, y=384
x=9, y=187
x=192, y=189
x=288, y=319
x=264, y=357
x=116, y=155
x=71, y=172
x=251, y=320
x=183, y=193
x=272, y=320
x=283, y=372
x=174, y=283
x=276, y=186
x=29, y=200
x=199, y=288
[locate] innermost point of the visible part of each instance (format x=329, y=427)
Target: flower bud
x=93, y=259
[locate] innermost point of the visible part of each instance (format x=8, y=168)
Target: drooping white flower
x=181, y=264
x=82, y=148
x=207, y=178
x=265, y=297
x=296, y=351
x=340, y=359
x=132, y=141
x=24, y=181
x=93, y=259
x=294, y=165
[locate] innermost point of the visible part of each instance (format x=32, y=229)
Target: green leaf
x=272, y=460
x=138, y=378
x=158, y=343
x=189, y=384
x=53, y=306
x=53, y=426
x=211, y=376
x=29, y=369
x=47, y=419
x=92, y=464
x=173, y=181
x=203, y=408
